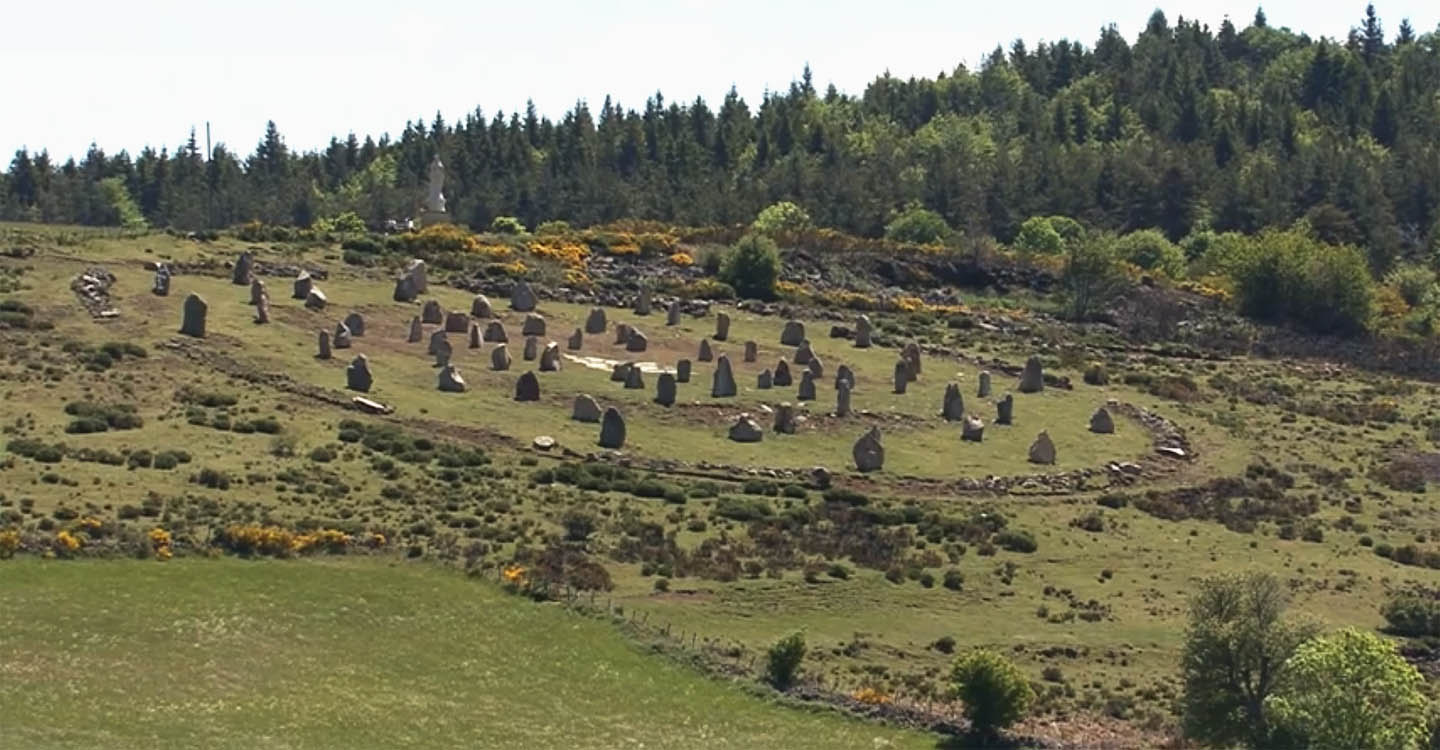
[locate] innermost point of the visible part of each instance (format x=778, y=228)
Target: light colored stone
x=193, y=312
x=550, y=358
x=585, y=409
x=746, y=430
x=1101, y=422
x=356, y=323
x=752, y=352
x=1032, y=380
x=953, y=408
x=792, y=334
x=499, y=358
x=705, y=354
x=262, y=310
x=522, y=298
x=543, y=442
x=480, y=307
x=534, y=325
x=682, y=371
x=357, y=375
x=316, y=300
x=595, y=321
x=911, y=354
x=161, y=285
x=1042, y=451
x=612, y=429
x=531, y=350
x=415, y=271
x=341, y=338
x=527, y=387
x=972, y=429
x=665, y=389
x=457, y=322
x=784, y=419
x=807, y=386
x=863, y=330
x=450, y=380
x=476, y=338
x=257, y=291
x=782, y=377
x=868, y=453
x=723, y=383
x=495, y=333
x=722, y=327
x=431, y=313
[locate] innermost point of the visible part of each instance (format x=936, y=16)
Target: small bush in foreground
x=994, y=691
x=782, y=661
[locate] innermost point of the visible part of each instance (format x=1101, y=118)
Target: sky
x=125, y=75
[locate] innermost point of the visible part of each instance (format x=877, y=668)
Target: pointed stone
x=764, y=381
x=807, y=386
x=746, y=430
x=972, y=429
x=868, y=453
x=1005, y=410
x=527, y=387
x=534, y=325
x=782, y=374
x=457, y=322
x=405, y=290
x=531, y=350
x=323, y=345
x=612, y=429
x=595, y=321
x=415, y=272
x=341, y=337
x=476, y=339
x=984, y=384
x=1032, y=380
x=636, y=341
x=303, y=285
x=793, y=333
x=953, y=408
x=1101, y=422
x=431, y=313
x=316, y=300
x=1042, y=451
x=499, y=358
x=585, y=409
x=576, y=341
x=682, y=371
x=705, y=354
x=665, y=389
x=480, y=307
x=495, y=333
x=816, y=366
x=243, y=270
x=356, y=323
x=450, y=380
x=803, y=353
x=193, y=312
x=550, y=358
x=752, y=352
x=785, y=419
x=723, y=383
x=863, y=330
x=417, y=331
x=722, y=327
x=357, y=375
x=522, y=298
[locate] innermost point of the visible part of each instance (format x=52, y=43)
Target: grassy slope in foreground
x=355, y=652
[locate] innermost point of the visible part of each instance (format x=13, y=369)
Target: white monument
x=435, y=198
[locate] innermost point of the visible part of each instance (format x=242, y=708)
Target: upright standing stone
x=534, y=325
x=842, y=398
x=341, y=339
x=595, y=321
x=495, y=333
x=984, y=384
x=636, y=341
x=844, y=374
x=161, y=286
x=1042, y=451
x=316, y=300
x=816, y=366
x=807, y=386
x=622, y=333
x=499, y=358
x=722, y=326
x=620, y=372
x=450, y=380
x=953, y=409
x=793, y=333
x=443, y=352
x=1101, y=422
x=902, y=375
x=456, y=322
x=527, y=387
x=911, y=353
x=257, y=291
x=576, y=341
x=357, y=375
x=480, y=307
x=243, y=270
x=705, y=354
x=323, y=345
x=415, y=271
x=531, y=350
x=550, y=358
x=665, y=389
x=782, y=373
x=585, y=409
x=476, y=339
x=868, y=453
x=672, y=313
x=752, y=352
x=192, y=316
x=723, y=383
x=682, y=371
x=404, y=290
x=634, y=379
x=642, y=302
x=262, y=310
x=746, y=430
x=1005, y=410
x=435, y=339
x=972, y=429
x=785, y=419
x=764, y=381
x=863, y=329
x=522, y=298
x=803, y=353
x=1032, y=380
x=612, y=429
x=303, y=285
x=431, y=313
x=417, y=331
x=356, y=323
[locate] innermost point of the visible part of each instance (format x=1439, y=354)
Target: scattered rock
x=612, y=429
x=585, y=409
x=527, y=387
x=192, y=316
x=868, y=453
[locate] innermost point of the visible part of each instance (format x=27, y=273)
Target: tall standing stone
x=722, y=326
x=622, y=333
x=257, y=291
x=356, y=323
x=785, y=419
x=953, y=408
x=522, y=297
x=682, y=371
x=323, y=346
x=495, y=333
x=863, y=330
x=161, y=286
x=842, y=398
x=816, y=366
x=576, y=341
x=620, y=372
x=803, y=353
x=1101, y=423
x=550, y=358
x=585, y=409
x=634, y=379
x=595, y=321
x=612, y=429
x=1005, y=410
x=868, y=453
x=782, y=373
x=316, y=299
x=480, y=307
x=764, y=381
x=911, y=353
x=475, y=339
x=636, y=341
x=341, y=338
x=672, y=313
x=1032, y=380
x=262, y=311
x=527, y=387
x=431, y=313
x=435, y=339
x=192, y=316
x=415, y=271
x=843, y=374
x=534, y=325
x=243, y=270
x=405, y=290
x=984, y=384
x=792, y=334
x=450, y=380
x=902, y=375
x=443, y=352
x=705, y=354
x=642, y=302
x=752, y=352
x=972, y=429
x=357, y=375
x=665, y=389
x=303, y=284
x=456, y=321
x=807, y=386
x=1042, y=451
x=417, y=331
x=499, y=358
x=723, y=383
x=531, y=350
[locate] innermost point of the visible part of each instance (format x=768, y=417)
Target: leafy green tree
x=1414, y=282
x=1152, y=251
x=1351, y=689
x=782, y=217
x=782, y=660
x=507, y=225
x=918, y=225
x=1037, y=235
x=1236, y=648
x=1092, y=277
x=752, y=267
x=127, y=213
x=994, y=691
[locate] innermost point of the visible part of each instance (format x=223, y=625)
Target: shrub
x=994, y=691
x=1038, y=235
x=1152, y=251
x=1289, y=276
x=1096, y=374
x=752, y=267
x=954, y=579
x=781, y=217
x=918, y=225
x=1412, y=614
x=507, y=225
x=553, y=228
x=1016, y=541
x=945, y=644
x=782, y=660
x=1414, y=283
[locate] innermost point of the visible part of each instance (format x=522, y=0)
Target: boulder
x=550, y=358
x=642, y=302
x=868, y=453
x=782, y=373
x=495, y=333
x=450, y=380
x=705, y=354
x=1101, y=422
x=531, y=350
x=357, y=375
x=499, y=358
x=522, y=298
x=257, y=291
x=723, y=383
x=620, y=372
x=1032, y=380
x=585, y=409
x=816, y=366
x=953, y=408
x=902, y=375
x=457, y=322
x=356, y=323
x=636, y=341
x=764, y=381
x=634, y=379
x=622, y=333
x=1042, y=451
x=323, y=345
x=984, y=389
x=595, y=321
x=417, y=331
x=722, y=327
x=844, y=374
x=752, y=352
x=193, y=312
x=911, y=354
x=527, y=387
x=534, y=325
x=665, y=389
x=820, y=478
x=480, y=307
x=682, y=371
x=863, y=330
x=746, y=430
x=612, y=429
x=803, y=353
x=672, y=313
x=476, y=338
x=405, y=290
x=972, y=429
x=431, y=313
x=303, y=285
x=785, y=419
x=243, y=270
x=341, y=338
x=316, y=300
x=576, y=340
x=1005, y=410
x=793, y=333
x=842, y=398
x=807, y=386
x=840, y=332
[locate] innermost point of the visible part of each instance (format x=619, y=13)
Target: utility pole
x=209, y=180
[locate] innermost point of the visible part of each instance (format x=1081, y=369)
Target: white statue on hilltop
x=435, y=201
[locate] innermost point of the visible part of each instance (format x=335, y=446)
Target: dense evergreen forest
x=1185, y=128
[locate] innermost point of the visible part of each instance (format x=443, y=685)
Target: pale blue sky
x=130, y=73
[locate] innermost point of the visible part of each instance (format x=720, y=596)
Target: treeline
x=1186, y=128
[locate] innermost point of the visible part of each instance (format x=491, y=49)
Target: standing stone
x=953, y=409
x=984, y=384
x=723, y=383
x=622, y=333
x=665, y=389
x=303, y=285
x=764, y=381
x=324, y=346
x=495, y=333
x=595, y=321
x=480, y=307
x=435, y=339
x=522, y=298
x=443, y=352
x=911, y=353
x=316, y=300
x=816, y=366
x=415, y=272
x=705, y=354
x=634, y=379
x=642, y=302
x=244, y=268
x=404, y=290
x=527, y=387
x=356, y=323
x=585, y=409
x=417, y=331
x=534, y=325
x=682, y=371
x=722, y=326
x=1032, y=380
x=262, y=310
x=257, y=291
x=531, y=350
x=1101, y=422
x=192, y=316
x=1005, y=410
x=636, y=341
x=499, y=358
x=793, y=334
x=868, y=453
x=972, y=429
x=456, y=322
x=785, y=419
x=357, y=375
x=807, y=386
x=843, y=374
x=431, y=313
x=782, y=373
x=341, y=339
x=161, y=286
x=1042, y=451
x=672, y=314
x=450, y=380
x=746, y=430
x=475, y=339
x=576, y=340
x=612, y=429
x=902, y=375
x=863, y=330
x=620, y=372
x=752, y=352
x=550, y=358
x=842, y=398
x=803, y=353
